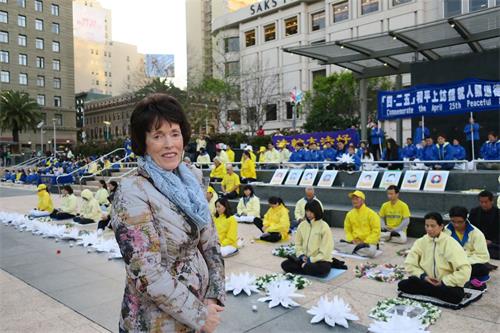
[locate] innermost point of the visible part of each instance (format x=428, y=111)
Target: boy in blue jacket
x=445, y=152
x=490, y=150
x=410, y=150
x=458, y=151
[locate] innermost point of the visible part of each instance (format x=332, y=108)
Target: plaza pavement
x=73, y=291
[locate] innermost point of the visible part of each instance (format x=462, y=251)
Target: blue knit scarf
x=181, y=188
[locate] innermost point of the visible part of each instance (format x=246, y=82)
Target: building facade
x=36, y=56
x=249, y=44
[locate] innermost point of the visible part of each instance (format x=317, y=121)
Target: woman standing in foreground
x=175, y=271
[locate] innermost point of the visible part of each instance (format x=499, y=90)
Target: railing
x=123, y=175
x=30, y=161
x=100, y=171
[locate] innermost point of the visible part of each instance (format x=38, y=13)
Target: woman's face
x=310, y=215
x=432, y=228
x=247, y=192
x=111, y=187
x=165, y=145
x=220, y=208
x=64, y=192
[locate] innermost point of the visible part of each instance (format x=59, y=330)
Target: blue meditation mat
x=334, y=272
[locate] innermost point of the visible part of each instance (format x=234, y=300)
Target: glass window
x=318, y=73
x=232, y=68
x=400, y=2
x=231, y=44
x=58, y=117
x=452, y=7
x=477, y=5
x=40, y=99
x=57, y=103
x=23, y=79
x=234, y=116
x=23, y=59
x=22, y=40
x=55, y=28
x=4, y=17
x=40, y=81
x=39, y=43
x=291, y=26
x=21, y=20
x=38, y=6
x=4, y=76
x=56, y=46
x=250, y=38
x=271, y=112
x=40, y=62
x=3, y=1
x=56, y=65
x=54, y=9
x=318, y=21
x=369, y=6
x=270, y=32
x=4, y=57
x=4, y=37
x=21, y=3
x=38, y=24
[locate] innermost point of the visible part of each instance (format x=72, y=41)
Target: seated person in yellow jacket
x=395, y=217
x=362, y=229
x=102, y=194
x=218, y=172
x=276, y=222
x=212, y=197
x=45, y=206
x=90, y=211
x=437, y=264
x=69, y=207
x=230, y=183
x=474, y=244
x=300, y=211
x=248, y=206
x=227, y=228
x=247, y=172
x=313, y=244
x=230, y=153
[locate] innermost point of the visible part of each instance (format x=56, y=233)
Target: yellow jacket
x=248, y=169
x=300, y=208
x=473, y=242
x=272, y=156
x=252, y=156
x=102, y=196
x=441, y=258
x=215, y=197
x=45, y=201
x=92, y=168
x=251, y=208
x=218, y=172
x=230, y=155
x=314, y=239
x=223, y=157
x=90, y=208
x=69, y=204
x=227, y=229
x=285, y=155
x=262, y=157
x=277, y=220
x=363, y=224
x=231, y=182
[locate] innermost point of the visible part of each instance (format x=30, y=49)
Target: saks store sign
x=263, y=6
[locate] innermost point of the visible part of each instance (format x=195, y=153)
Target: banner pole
x=472, y=136
x=423, y=128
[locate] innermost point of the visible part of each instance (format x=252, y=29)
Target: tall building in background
x=36, y=56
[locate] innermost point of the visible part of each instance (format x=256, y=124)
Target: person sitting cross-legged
x=486, y=217
x=45, y=206
x=474, y=244
x=90, y=212
x=249, y=206
x=300, y=211
x=437, y=264
x=230, y=183
x=227, y=228
x=68, y=208
x=362, y=229
x=247, y=172
x=313, y=244
x=218, y=172
x=276, y=223
x=395, y=217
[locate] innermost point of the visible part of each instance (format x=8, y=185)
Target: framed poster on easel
x=412, y=180
x=293, y=176
x=436, y=180
x=367, y=179
x=278, y=177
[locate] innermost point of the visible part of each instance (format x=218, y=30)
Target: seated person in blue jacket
x=299, y=155
x=445, y=152
x=354, y=161
x=341, y=149
x=458, y=151
x=490, y=150
x=392, y=152
x=329, y=154
x=314, y=154
x=410, y=150
x=429, y=152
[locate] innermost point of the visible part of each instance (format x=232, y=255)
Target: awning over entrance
x=392, y=52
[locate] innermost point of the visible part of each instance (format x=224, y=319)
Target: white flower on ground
x=396, y=324
x=241, y=282
x=332, y=312
x=281, y=293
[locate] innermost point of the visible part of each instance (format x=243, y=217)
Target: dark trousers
x=477, y=148
x=271, y=237
x=103, y=223
x=494, y=250
x=57, y=215
x=215, y=180
x=83, y=220
x=230, y=195
x=248, y=180
x=375, y=150
x=416, y=286
x=479, y=270
x=320, y=268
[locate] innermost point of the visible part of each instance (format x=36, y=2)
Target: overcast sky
x=155, y=26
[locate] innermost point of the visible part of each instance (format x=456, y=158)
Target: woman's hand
x=213, y=318
x=434, y=282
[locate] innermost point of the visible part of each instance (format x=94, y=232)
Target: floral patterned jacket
x=171, y=266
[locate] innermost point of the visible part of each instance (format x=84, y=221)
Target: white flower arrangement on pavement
x=426, y=313
x=281, y=293
x=396, y=324
x=336, y=312
x=298, y=281
x=241, y=282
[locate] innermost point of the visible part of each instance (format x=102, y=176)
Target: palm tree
x=18, y=112
x=161, y=85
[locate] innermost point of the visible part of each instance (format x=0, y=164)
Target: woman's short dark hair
x=459, y=211
x=315, y=208
x=250, y=188
x=224, y=202
x=434, y=216
x=103, y=183
x=275, y=201
x=247, y=153
x=68, y=189
x=149, y=114
x=114, y=184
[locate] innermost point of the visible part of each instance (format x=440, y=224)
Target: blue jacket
x=409, y=151
x=329, y=154
x=468, y=132
x=313, y=156
x=458, y=152
x=445, y=152
x=298, y=156
x=491, y=150
x=417, y=138
x=429, y=153
x=377, y=136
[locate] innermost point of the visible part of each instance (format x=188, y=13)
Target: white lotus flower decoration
x=109, y=245
x=332, y=312
x=281, y=293
x=88, y=239
x=345, y=158
x=241, y=282
x=71, y=234
x=398, y=323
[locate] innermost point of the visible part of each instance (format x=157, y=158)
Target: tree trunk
x=15, y=138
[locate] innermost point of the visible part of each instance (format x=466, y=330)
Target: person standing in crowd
x=218, y=172
x=45, y=206
x=252, y=154
x=395, y=217
x=262, y=155
x=69, y=207
x=284, y=153
x=487, y=218
x=410, y=150
x=260, y=131
x=127, y=145
x=474, y=244
x=230, y=183
x=437, y=264
x=247, y=172
x=313, y=245
x=163, y=206
x=472, y=138
x=421, y=134
x=392, y=152
x=249, y=206
x=362, y=229
x=276, y=223
x=376, y=140
x=90, y=211
x=201, y=143
x=227, y=228
x=444, y=152
x=300, y=211
x=203, y=159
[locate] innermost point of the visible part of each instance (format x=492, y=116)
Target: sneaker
x=232, y=254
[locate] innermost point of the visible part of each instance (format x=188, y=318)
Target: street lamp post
x=40, y=126
x=54, y=120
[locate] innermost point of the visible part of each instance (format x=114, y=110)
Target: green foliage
x=159, y=85
x=94, y=148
